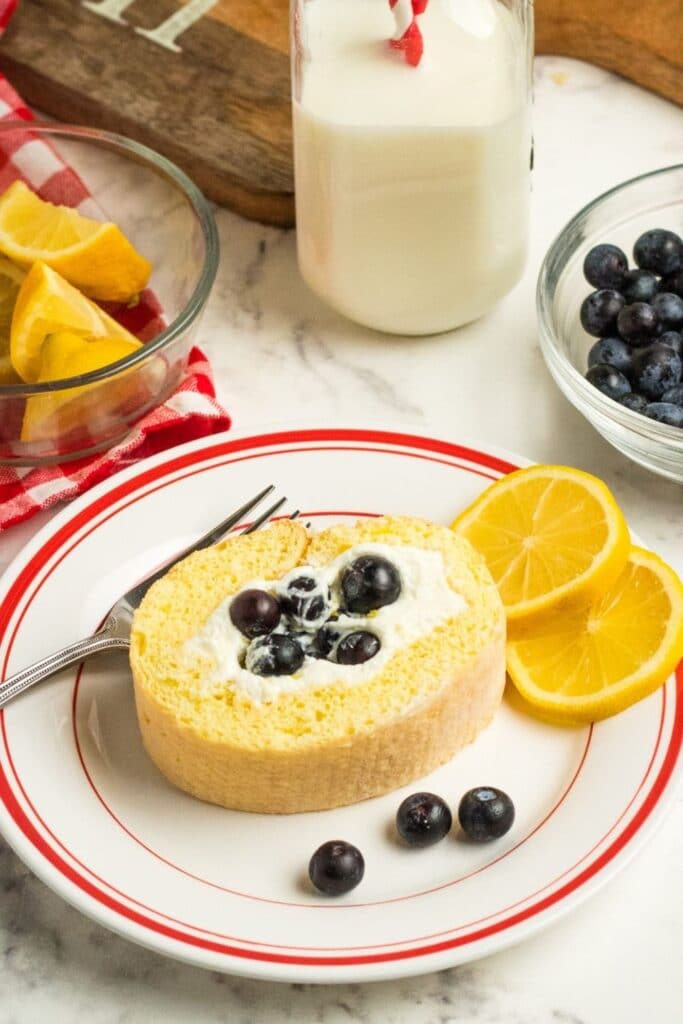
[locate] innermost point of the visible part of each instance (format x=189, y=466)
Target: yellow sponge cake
x=288, y=671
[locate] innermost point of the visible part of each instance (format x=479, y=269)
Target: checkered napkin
x=191, y=412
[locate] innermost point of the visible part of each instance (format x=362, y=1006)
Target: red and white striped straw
x=407, y=36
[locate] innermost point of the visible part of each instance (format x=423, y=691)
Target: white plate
x=87, y=811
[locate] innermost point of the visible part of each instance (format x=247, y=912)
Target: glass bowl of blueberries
x=610, y=308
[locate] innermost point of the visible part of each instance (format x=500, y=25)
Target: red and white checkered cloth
x=191, y=412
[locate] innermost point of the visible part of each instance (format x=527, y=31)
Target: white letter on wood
x=109, y=9
x=169, y=30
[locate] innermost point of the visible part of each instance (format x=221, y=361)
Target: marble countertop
x=280, y=356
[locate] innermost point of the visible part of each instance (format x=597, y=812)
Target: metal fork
x=114, y=634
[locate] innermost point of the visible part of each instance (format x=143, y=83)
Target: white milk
x=411, y=183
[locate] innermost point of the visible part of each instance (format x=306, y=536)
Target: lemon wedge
x=552, y=537
x=95, y=256
x=64, y=354
x=7, y=374
x=597, y=660
x=47, y=304
x=11, y=278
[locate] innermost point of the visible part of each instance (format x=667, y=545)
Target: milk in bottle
x=412, y=181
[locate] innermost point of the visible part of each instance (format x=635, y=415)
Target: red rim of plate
x=490, y=466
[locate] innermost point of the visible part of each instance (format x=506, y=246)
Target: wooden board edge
x=271, y=208
x=606, y=50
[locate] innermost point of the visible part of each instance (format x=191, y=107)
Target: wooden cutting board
x=207, y=81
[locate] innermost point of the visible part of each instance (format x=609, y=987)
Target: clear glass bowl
x=168, y=221
x=654, y=200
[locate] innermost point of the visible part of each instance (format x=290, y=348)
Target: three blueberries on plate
x=423, y=819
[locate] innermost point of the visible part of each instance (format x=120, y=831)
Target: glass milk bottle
x=411, y=144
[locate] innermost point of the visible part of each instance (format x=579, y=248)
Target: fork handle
x=40, y=670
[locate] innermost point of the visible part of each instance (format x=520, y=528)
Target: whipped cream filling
x=425, y=601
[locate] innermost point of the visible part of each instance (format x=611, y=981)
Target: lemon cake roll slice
x=289, y=671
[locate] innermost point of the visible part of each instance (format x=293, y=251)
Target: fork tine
x=116, y=630
x=219, y=530
x=265, y=516
x=214, y=535
x=132, y=599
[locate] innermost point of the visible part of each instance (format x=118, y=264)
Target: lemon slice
x=551, y=535
x=56, y=414
x=600, y=659
x=11, y=278
x=47, y=304
x=96, y=257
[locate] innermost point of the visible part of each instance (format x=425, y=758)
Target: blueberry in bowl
x=669, y=309
x=660, y=251
x=643, y=219
x=639, y=286
x=656, y=369
x=613, y=352
x=666, y=412
x=637, y=323
x=674, y=394
x=672, y=283
x=609, y=380
x=637, y=403
x=605, y=266
x=600, y=310
x=674, y=339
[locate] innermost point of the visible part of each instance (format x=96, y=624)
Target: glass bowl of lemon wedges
x=108, y=253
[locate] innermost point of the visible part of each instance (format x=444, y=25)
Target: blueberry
x=637, y=323
x=486, y=813
x=639, y=286
x=277, y=654
x=325, y=642
x=423, y=819
x=605, y=266
x=674, y=339
x=672, y=283
x=608, y=380
x=638, y=403
x=369, y=582
x=666, y=412
x=599, y=311
x=660, y=251
x=669, y=310
x=306, y=601
x=612, y=352
x=355, y=648
x=674, y=394
x=254, y=612
x=336, y=867
x=656, y=369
